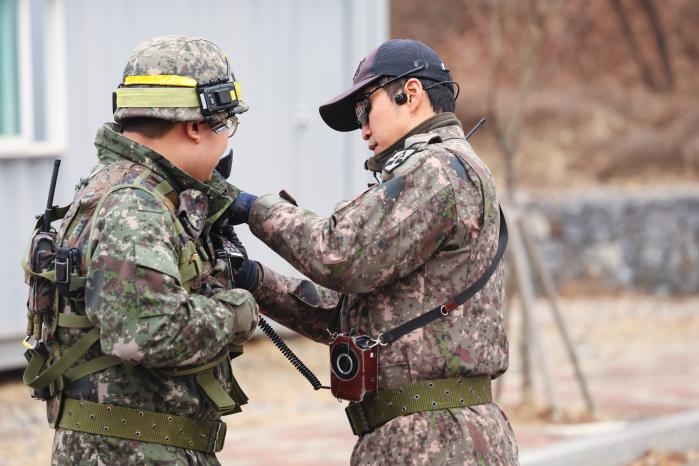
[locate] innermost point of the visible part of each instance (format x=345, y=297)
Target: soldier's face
x=203, y=150
x=387, y=122
x=214, y=147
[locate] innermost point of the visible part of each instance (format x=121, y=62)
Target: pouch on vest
x=40, y=275
x=42, y=290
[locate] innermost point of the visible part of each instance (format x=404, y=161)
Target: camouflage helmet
x=165, y=76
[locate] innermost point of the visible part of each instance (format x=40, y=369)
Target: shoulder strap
x=466, y=161
x=190, y=264
x=58, y=214
x=445, y=309
x=159, y=193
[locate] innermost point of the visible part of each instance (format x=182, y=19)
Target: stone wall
x=611, y=240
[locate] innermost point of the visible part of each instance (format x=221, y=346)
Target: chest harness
x=54, y=272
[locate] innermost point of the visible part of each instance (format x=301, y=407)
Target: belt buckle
x=357, y=419
x=219, y=437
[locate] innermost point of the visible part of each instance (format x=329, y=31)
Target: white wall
x=291, y=56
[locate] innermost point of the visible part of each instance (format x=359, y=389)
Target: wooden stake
x=526, y=292
x=507, y=318
x=550, y=290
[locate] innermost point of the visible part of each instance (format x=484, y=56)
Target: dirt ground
x=627, y=342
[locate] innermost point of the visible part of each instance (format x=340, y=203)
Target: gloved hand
x=243, y=270
x=239, y=210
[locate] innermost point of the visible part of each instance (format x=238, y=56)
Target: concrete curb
x=677, y=432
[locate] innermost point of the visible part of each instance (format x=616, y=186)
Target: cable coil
x=288, y=354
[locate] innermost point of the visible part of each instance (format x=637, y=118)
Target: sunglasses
x=362, y=106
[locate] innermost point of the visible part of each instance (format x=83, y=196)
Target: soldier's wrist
x=247, y=276
x=240, y=209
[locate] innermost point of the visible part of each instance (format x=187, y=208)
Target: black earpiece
x=401, y=98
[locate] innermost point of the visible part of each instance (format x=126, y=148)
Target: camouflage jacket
x=402, y=247
x=422, y=235
x=135, y=295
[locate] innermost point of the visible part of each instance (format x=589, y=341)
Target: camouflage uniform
x=135, y=296
x=412, y=242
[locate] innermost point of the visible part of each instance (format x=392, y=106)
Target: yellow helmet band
x=182, y=95
x=161, y=80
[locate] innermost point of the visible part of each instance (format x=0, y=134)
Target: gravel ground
x=628, y=345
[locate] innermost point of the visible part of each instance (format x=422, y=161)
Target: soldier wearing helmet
x=407, y=276
x=148, y=319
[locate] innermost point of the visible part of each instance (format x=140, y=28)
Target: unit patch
x=398, y=159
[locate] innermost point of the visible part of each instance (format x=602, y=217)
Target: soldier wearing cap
x=138, y=369
x=427, y=231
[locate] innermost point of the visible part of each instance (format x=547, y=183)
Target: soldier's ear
x=412, y=88
x=193, y=130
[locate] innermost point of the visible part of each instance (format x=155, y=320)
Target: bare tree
x=644, y=66
x=507, y=133
x=508, y=130
x=659, y=35
x=685, y=25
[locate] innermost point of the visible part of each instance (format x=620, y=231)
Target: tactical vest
x=53, y=275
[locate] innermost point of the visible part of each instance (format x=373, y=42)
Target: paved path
x=641, y=357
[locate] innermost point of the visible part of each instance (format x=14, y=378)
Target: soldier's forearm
x=245, y=313
x=363, y=245
x=297, y=304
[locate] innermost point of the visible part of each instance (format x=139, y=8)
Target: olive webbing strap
x=59, y=213
x=238, y=394
x=49, y=275
x=142, y=425
x=100, y=204
x=214, y=392
x=37, y=379
x=219, y=398
x=190, y=265
x=161, y=191
x=428, y=395
x=178, y=372
x=97, y=364
x=214, y=217
x=444, y=309
x=73, y=321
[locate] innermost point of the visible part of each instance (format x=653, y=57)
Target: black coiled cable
x=288, y=354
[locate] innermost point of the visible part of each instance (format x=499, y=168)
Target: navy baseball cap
x=392, y=58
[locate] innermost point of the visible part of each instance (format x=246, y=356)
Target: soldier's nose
x=366, y=132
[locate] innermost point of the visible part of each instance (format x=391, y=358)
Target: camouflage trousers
x=77, y=449
x=477, y=435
